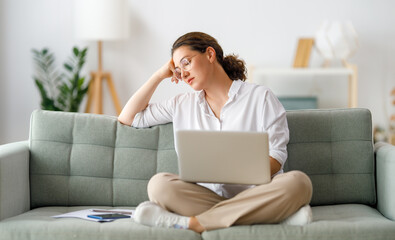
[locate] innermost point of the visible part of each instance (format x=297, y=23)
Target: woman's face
x=197, y=66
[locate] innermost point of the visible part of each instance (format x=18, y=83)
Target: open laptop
x=223, y=157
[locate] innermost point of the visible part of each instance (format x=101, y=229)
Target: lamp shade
x=101, y=19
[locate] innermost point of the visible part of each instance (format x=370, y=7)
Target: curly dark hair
x=234, y=67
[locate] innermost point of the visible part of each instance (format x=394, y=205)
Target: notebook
x=223, y=157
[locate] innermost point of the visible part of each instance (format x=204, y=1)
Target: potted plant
x=60, y=91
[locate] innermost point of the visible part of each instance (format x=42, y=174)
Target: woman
x=222, y=101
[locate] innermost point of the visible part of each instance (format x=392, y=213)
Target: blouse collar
x=234, y=89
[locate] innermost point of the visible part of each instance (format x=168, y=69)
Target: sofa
x=75, y=161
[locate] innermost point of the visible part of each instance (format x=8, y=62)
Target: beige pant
x=268, y=203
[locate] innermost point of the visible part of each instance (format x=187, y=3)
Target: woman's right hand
x=167, y=71
x=139, y=101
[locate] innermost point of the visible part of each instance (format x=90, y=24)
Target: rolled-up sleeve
x=155, y=114
x=276, y=125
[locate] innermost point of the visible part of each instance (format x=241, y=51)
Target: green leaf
x=81, y=82
x=84, y=91
x=68, y=67
x=41, y=89
x=46, y=102
x=75, y=50
x=83, y=53
x=35, y=51
x=64, y=88
x=80, y=64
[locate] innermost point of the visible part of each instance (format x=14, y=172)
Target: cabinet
x=349, y=70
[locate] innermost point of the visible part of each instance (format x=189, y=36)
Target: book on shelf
x=303, y=52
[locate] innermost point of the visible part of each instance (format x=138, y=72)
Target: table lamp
x=101, y=20
x=336, y=40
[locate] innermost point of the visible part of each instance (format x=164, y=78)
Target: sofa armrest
x=14, y=179
x=385, y=174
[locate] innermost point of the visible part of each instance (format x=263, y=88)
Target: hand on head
x=166, y=71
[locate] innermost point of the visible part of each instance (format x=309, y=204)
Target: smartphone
x=109, y=216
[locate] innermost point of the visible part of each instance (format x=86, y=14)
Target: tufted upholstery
x=335, y=148
x=86, y=159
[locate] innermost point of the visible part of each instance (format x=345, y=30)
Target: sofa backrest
x=335, y=148
x=87, y=159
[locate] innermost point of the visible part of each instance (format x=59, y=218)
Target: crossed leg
x=268, y=203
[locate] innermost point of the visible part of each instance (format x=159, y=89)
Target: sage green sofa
x=76, y=161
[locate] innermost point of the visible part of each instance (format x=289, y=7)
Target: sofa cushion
x=347, y=221
x=39, y=224
x=76, y=156
x=335, y=148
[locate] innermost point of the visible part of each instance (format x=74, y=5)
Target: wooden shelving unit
x=349, y=70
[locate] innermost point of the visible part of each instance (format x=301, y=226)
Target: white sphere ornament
x=336, y=40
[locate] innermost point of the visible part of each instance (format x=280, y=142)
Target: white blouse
x=250, y=107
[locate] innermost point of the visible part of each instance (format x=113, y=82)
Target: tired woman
x=222, y=101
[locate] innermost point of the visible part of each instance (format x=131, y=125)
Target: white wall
x=2, y=82
x=263, y=33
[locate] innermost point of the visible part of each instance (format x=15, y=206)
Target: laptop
x=223, y=157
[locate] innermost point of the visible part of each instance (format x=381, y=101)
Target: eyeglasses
x=185, y=65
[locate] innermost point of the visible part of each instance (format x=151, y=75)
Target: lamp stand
x=95, y=92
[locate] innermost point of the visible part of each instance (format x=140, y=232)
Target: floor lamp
x=95, y=92
x=101, y=20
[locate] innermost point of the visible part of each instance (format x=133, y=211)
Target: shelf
x=303, y=71
x=350, y=70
